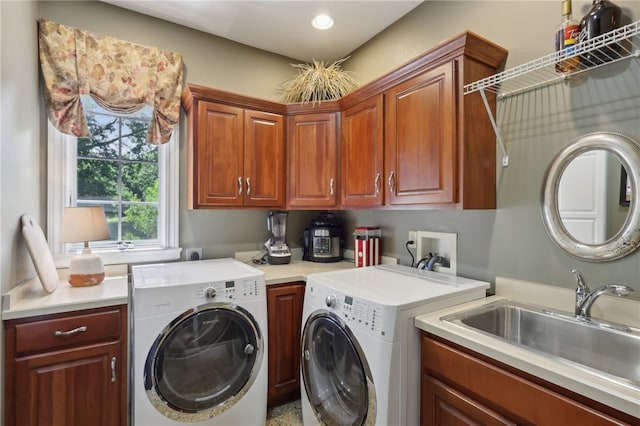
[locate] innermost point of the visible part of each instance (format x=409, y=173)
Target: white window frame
x=61, y=159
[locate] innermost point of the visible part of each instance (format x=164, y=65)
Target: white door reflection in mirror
x=582, y=197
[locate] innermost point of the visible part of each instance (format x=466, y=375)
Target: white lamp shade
x=83, y=224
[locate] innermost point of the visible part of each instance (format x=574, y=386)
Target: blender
x=278, y=252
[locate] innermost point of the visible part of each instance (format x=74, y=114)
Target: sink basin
x=602, y=348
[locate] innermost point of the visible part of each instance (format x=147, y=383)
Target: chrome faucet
x=585, y=297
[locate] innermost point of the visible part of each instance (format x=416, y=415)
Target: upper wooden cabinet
x=312, y=161
x=362, y=154
x=409, y=139
x=236, y=156
x=420, y=139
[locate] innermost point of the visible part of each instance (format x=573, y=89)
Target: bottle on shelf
x=566, y=39
x=602, y=17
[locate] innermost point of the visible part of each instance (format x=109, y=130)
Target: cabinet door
x=76, y=387
x=420, y=147
x=457, y=384
x=443, y=405
x=361, y=148
x=313, y=171
x=264, y=159
x=218, y=156
x=284, y=311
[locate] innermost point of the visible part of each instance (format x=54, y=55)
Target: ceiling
x=282, y=27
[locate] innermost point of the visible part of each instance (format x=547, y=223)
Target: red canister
x=367, y=246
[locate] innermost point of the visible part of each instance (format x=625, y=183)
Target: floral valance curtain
x=120, y=76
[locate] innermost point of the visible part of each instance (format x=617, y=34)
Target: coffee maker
x=278, y=252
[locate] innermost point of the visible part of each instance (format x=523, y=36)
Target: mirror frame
x=627, y=239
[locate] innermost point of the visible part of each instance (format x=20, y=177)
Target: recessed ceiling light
x=322, y=22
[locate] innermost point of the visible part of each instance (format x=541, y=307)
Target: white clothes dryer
x=199, y=344
x=360, y=348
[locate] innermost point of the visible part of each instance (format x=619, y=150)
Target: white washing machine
x=199, y=344
x=360, y=348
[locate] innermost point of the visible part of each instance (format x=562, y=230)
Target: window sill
x=129, y=256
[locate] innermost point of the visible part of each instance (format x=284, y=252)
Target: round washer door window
x=203, y=362
x=336, y=375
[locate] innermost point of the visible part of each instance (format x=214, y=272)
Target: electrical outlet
x=412, y=237
x=193, y=254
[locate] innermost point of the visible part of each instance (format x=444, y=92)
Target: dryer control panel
x=229, y=291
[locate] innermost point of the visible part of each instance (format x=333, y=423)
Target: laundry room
x=326, y=255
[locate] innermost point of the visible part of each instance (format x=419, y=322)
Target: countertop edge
x=30, y=299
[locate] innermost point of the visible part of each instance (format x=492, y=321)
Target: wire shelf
x=608, y=48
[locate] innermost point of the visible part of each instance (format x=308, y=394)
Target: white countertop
x=625, y=398
x=298, y=270
x=30, y=299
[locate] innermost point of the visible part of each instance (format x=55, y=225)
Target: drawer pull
x=392, y=182
x=113, y=369
x=70, y=332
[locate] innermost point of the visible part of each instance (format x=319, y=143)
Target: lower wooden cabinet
x=67, y=369
x=284, y=314
x=461, y=387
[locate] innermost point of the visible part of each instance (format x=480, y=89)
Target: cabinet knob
x=248, y=186
x=376, y=183
x=392, y=182
x=331, y=188
x=240, y=185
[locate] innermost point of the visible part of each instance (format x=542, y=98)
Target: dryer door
x=335, y=372
x=203, y=362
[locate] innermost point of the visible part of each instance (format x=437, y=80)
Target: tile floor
x=289, y=414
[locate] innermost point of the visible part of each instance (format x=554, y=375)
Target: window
x=116, y=168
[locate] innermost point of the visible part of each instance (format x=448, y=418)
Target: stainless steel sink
x=603, y=348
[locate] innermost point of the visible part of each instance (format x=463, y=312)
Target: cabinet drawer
x=68, y=330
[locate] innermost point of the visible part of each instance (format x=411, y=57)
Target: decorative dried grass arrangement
x=318, y=82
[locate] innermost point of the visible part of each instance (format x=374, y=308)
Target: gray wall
x=509, y=241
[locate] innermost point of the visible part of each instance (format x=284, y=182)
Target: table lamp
x=84, y=224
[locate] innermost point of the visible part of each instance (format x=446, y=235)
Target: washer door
x=335, y=372
x=203, y=362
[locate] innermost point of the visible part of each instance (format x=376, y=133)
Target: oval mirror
x=590, y=198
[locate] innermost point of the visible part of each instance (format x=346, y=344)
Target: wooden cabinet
x=362, y=154
x=236, y=155
x=439, y=147
x=410, y=139
x=459, y=386
x=420, y=139
x=312, y=161
x=284, y=312
x=67, y=369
